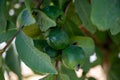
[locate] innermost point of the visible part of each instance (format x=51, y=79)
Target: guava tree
x=57, y=37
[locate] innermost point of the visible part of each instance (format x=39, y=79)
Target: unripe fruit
x=58, y=39
x=73, y=56
x=53, y=12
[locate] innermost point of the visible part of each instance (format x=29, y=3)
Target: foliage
x=57, y=37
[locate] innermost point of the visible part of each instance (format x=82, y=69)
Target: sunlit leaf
x=32, y=30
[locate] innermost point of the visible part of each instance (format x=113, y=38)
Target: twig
x=57, y=68
x=10, y=41
x=67, y=7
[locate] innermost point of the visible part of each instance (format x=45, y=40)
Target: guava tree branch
x=11, y=39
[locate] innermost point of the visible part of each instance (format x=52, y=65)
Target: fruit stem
x=57, y=68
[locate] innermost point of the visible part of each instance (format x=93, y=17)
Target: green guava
x=58, y=39
x=73, y=56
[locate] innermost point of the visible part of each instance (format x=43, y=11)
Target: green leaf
x=83, y=78
x=43, y=21
x=40, y=44
x=60, y=3
x=1, y=70
x=63, y=77
x=0, y=61
x=46, y=3
x=70, y=73
x=99, y=55
x=116, y=38
x=83, y=9
x=13, y=62
x=87, y=65
x=72, y=15
x=35, y=59
x=114, y=72
x=106, y=16
x=28, y=4
x=86, y=43
x=49, y=77
x=3, y=22
x=5, y=36
x=8, y=33
x=91, y=78
x=71, y=28
x=10, y=25
x=25, y=18
x=1, y=74
x=32, y=31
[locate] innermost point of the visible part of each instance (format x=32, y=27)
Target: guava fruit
x=72, y=56
x=58, y=39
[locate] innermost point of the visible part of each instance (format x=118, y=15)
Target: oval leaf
x=43, y=21
x=86, y=43
x=25, y=18
x=83, y=9
x=3, y=22
x=13, y=62
x=72, y=15
x=36, y=60
x=28, y=4
x=106, y=16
